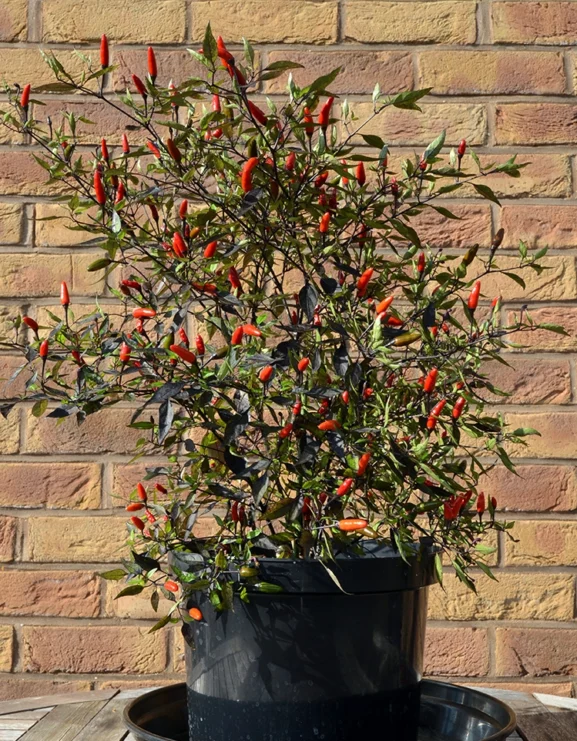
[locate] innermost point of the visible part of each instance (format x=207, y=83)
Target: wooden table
x=97, y=716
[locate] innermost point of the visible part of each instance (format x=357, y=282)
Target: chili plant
x=313, y=374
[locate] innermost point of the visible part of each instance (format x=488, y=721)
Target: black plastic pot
x=314, y=662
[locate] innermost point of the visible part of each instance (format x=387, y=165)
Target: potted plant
x=311, y=371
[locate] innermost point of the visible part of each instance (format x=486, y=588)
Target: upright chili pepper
x=350, y=525
x=104, y=52
x=234, y=279
x=481, y=504
x=104, y=150
x=258, y=114
x=363, y=282
x=345, y=487
x=154, y=149
x=458, y=408
x=183, y=354
x=64, y=295
x=199, y=342
x=183, y=209
x=43, y=351
x=474, y=296
x=303, y=364
x=360, y=174
x=178, y=245
x=125, y=144
x=346, y=397
x=364, y=461
x=308, y=122
x=216, y=105
x=99, y=192
x=324, y=222
x=384, y=304
x=29, y=322
x=124, y=354
x=183, y=337
x=223, y=53
x=138, y=523
x=152, y=66
x=139, y=85
x=430, y=381
x=290, y=162
x=246, y=174
x=120, y=193
x=435, y=414
x=462, y=148
x=173, y=150
x=325, y=113
x=297, y=407
x=210, y=250
x=237, y=336
x=141, y=492
x=421, y=263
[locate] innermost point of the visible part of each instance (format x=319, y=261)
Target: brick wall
x=503, y=77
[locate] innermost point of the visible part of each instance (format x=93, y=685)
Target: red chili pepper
x=435, y=413
x=104, y=150
x=462, y=148
x=223, y=53
x=29, y=322
x=130, y=283
x=360, y=174
x=345, y=487
x=286, y=430
x=450, y=509
x=210, y=249
x=139, y=85
x=345, y=396
x=317, y=321
x=183, y=353
x=308, y=122
x=161, y=489
x=384, y=304
x=120, y=193
x=324, y=223
x=251, y=330
x=183, y=337
x=43, y=351
x=216, y=106
x=134, y=506
x=363, y=282
x=394, y=188
x=349, y=526
x=266, y=373
x=364, y=463
x=171, y=586
x=152, y=66
x=125, y=144
x=124, y=353
x=325, y=113
x=64, y=295
x=234, y=279
x=154, y=149
x=474, y=296
x=290, y=162
x=141, y=492
x=173, y=150
x=237, y=336
x=195, y=614
x=297, y=406
x=303, y=364
x=246, y=174
x=367, y=393
x=257, y=113
x=153, y=212
x=137, y=522
x=430, y=381
x=99, y=191
x=183, y=209
x=104, y=53
x=459, y=406
x=481, y=504
x=205, y=287
x=421, y=263
x=321, y=179
x=178, y=244
x=143, y=313
x=199, y=342
x=329, y=425
x=493, y=503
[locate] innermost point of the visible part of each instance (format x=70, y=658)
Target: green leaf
x=486, y=570
x=524, y=431
x=439, y=568
x=39, y=407
x=486, y=192
x=553, y=328
x=130, y=590
x=434, y=147
x=113, y=575
x=209, y=49
x=373, y=141
x=160, y=624
x=408, y=99
x=516, y=278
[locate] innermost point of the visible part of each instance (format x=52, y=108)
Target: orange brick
x=137, y=607
x=49, y=593
x=104, y=432
x=533, y=652
x=10, y=223
x=54, y=228
x=9, y=312
x=534, y=22
x=76, y=539
x=83, y=282
x=542, y=339
x=535, y=123
x=172, y=65
x=402, y=127
x=542, y=543
x=88, y=649
x=13, y=19
x=531, y=380
x=418, y=22
x=492, y=72
x=51, y=485
x=18, y=686
x=539, y=226
x=7, y=538
x=24, y=65
x=134, y=683
x=473, y=226
x=557, y=283
x=360, y=70
x=6, y=647
x=127, y=475
x=457, y=652
x=534, y=489
x=10, y=433
x=563, y=689
x=557, y=434
x=106, y=121
x=21, y=175
x=12, y=387
x=145, y=22
x=33, y=275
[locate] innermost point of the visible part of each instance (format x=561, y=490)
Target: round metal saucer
x=448, y=713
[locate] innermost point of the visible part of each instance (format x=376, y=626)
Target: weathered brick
x=6, y=647
x=415, y=23
x=563, y=689
x=18, y=686
x=103, y=432
x=9, y=312
x=10, y=223
x=21, y=175
x=10, y=433
x=83, y=282
x=530, y=380
x=178, y=660
x=79, y=311
x=21, y=65
x=145, y=22
x=7, y=539
x=557, y=283
x=51, y=485
x=557, y=430
x=534, y=489
x=13, y=19
x=136, y=607
x=49, y=593
x=542, y=543
x=33, y=275
x=542, y=339
x=12, y=387
x=87, y=649
x=133, y=683
x=54, y=228
x=405, y=127
x=360, y=70
x=127, y=475
x=535, y=123
x=492, y=72
x=76, y=539
x=274, y=21
x=539, y=226
x=106, y=121
x=473, y=226
x=175, y=65
x=534, y=22
x=518, y=596
x=457, y=652
x=536, y=652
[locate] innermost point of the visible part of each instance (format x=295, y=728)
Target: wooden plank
x=107, y=725
x=535, y=722
x=65, y=722
x=26, y=715
x=10, y=735
x=16, y=725
x=553, y=701
x=32, y=703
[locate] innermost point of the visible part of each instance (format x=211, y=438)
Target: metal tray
x=448, y=713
